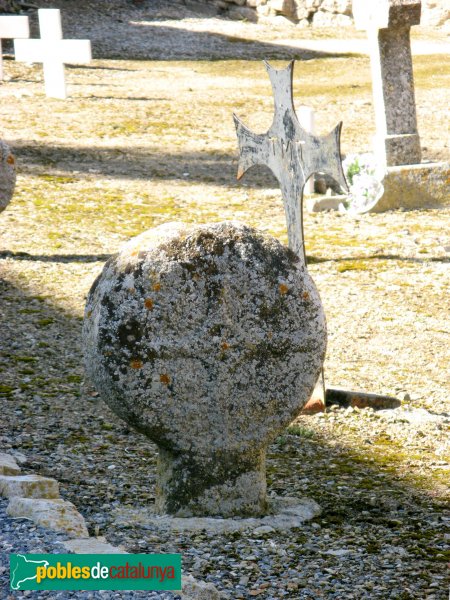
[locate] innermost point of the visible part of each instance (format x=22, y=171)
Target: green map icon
x=23, y=569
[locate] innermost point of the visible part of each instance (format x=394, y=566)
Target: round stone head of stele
x=209, y=340
x=7, y=175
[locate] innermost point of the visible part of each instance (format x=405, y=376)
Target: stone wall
x=318, y=13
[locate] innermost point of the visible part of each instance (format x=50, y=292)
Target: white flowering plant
x=364, y=177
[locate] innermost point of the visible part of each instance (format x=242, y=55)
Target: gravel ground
x=120, y=156
x=22, y=536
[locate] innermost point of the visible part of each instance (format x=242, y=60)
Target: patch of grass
x=57, y=179
x=301, y=431
x=26, y=359
x=45, y=322
x=6, y=390
x=355, y=265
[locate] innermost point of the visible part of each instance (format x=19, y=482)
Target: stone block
x=327, y=19
x=28, y=486
x=323, y=203
x=57, y=515
x=284, y=7
x=343, y=7
x=209, y=340
x=398, y=149
x=415, y=186
x=92, y=545
x=8, y=465
x=243, y=12
x=193, y=589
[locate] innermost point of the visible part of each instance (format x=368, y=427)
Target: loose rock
x=8, y=466
x=57, y=515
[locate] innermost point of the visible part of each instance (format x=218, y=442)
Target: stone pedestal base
x=218, y=485
x=424, y=185
x=399, y=149
x=415, y=186
x=283, y=514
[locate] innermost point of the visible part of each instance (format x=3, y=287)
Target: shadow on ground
x=56, y=420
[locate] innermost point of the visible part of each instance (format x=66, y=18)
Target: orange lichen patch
x=156, y=287
x=283, y=288
x=136, y=364
x=148, y=303
x=225, y=346
x=11, y=160
x=135, y=253
x=164, y=378
x=305, y=296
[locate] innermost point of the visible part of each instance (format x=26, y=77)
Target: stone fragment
x=19, y=457
x=243, y=12
x=28, y=486
x=284, y=7
x=343, y=7
x=8, y=465
x=263, y=530
x=209, y=340
x=324, y=203
x=57, y=515
x=193, y=589
x=415, y=186
x=323, y=18
x=92, y=545
x=7, y=175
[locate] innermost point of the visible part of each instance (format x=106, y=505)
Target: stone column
x=388, y=23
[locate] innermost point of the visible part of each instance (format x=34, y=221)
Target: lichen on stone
x=220, y=361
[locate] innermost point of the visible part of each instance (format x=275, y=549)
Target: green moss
x=301, y=431
x=45, y=322
x=57, y=179
x=24, y=358
x=6, y=390
x=356, y=265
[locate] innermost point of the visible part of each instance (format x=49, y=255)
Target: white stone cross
x=53, y=51
x=12, y=27
x=388, y=23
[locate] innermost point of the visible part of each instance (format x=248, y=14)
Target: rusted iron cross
x=292, y=153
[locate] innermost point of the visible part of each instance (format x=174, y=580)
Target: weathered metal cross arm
x=290, y=152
